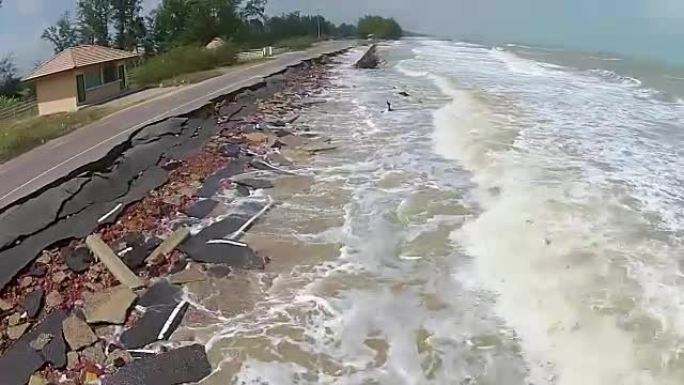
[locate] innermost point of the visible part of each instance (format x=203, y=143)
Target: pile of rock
x=74, y=317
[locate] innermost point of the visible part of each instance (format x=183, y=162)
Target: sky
x=646, y=28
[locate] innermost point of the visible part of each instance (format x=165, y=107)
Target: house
x=80, y=76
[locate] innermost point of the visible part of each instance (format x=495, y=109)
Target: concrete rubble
x=108, y=245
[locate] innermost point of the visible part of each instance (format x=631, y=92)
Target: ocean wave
x=615, y=77
x=606, y=58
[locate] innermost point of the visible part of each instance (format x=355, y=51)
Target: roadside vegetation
x=182, y=60
x=21, y=136
x=171, y=41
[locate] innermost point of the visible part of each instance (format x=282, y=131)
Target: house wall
x=57, y=93
x=103, y=92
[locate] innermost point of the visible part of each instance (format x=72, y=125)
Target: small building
x=80, y=76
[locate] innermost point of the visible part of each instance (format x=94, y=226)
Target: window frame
x=101, y=68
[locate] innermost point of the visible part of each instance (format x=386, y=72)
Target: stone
x=256, y=137
x=135, y=258
x=38, y=270
x=278, y=159
x=255, y=183
x=59, y=277
x=72, y=360
x=37, y=379
x=201, y=209
x=110, y=306
x=231, y=150
x=184, y=365
x=14, y=319
x=192, y=274
x=33, y=302
x=26, y=281
x=15, y=332
x=77, y=333
x=90, y=378
x=243, y=191
x=53, y=299
x=160, y=300
x=94, y=354
x=40, y=341
x=20, y=361
x=5, y=306
x=118, y=358
x=79, y=260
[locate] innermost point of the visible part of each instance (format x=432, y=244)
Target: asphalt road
x=33, y=170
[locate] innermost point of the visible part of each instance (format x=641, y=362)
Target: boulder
x=110, y=306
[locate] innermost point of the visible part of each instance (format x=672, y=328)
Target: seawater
x=512, y=221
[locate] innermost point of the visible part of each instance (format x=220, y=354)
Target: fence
x=19, y=111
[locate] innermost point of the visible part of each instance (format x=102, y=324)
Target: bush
x=183, y=60
x=296, y=43
x=6, y=101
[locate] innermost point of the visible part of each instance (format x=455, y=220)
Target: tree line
x=121, y=24
x=177, y=23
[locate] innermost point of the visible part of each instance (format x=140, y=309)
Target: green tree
x=94, y=17
x=128, y=23
x=10, y=83
x=62, y=35
x=379, y=27
x=346, y=30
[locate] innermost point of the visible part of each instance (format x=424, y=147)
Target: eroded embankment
x=129, y=198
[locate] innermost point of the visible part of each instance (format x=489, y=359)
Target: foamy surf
x=510, y=223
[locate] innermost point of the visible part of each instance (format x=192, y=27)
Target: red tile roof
x=76, y=57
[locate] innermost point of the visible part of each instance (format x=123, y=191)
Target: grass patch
x=181, y=61
x=24, y=135
x=296, y=43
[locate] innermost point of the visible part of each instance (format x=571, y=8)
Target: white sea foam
x=552, y=242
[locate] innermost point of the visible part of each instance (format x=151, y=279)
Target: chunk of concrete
x=115, y=266
x=110, y=306
x=185, y=365
x=77, y=333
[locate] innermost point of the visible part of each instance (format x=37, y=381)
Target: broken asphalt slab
x=201, y=209
x=184, y=365
x=160, y=302
x=21, y=360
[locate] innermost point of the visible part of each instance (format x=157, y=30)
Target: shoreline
x=250, y=122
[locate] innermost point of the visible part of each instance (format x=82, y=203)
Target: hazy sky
x=651, y=28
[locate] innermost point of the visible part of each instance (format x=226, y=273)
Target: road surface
x=41, y=166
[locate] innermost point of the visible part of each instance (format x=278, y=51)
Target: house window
x=93, y=77
x=110, y=73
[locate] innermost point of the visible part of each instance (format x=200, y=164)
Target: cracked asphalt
x=33, y=171
x=94, y=189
